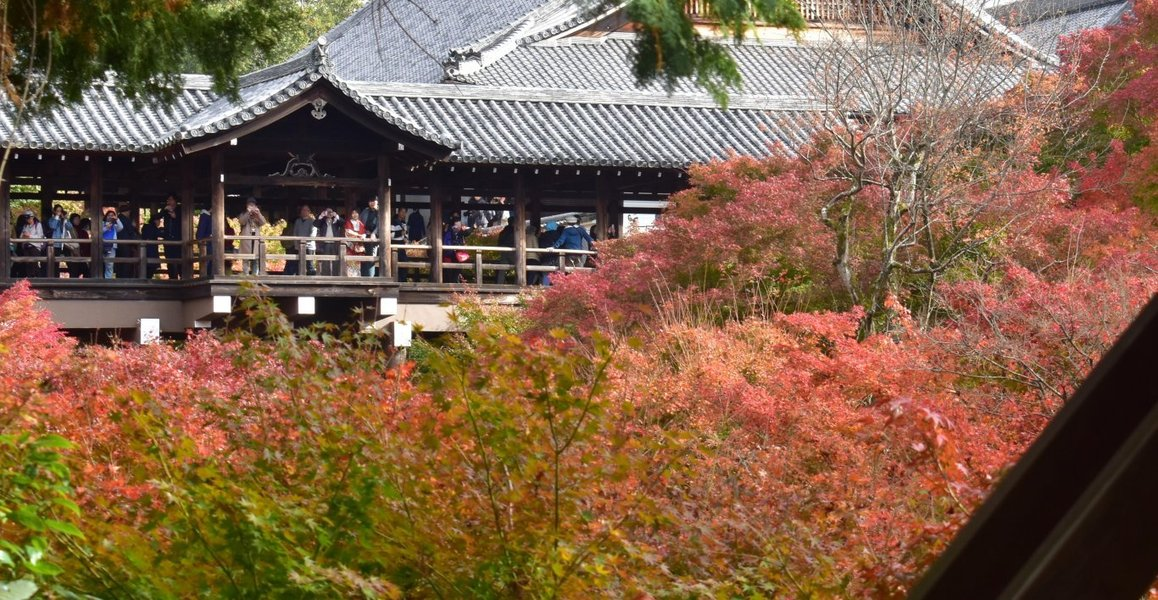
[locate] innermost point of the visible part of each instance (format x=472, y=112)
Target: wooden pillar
x=519, y=220
x=95, y=201
x=5, y=227
x=434, y=228
x=217, y=211
x=385, y=218
x=603, y=193
x=188, y=231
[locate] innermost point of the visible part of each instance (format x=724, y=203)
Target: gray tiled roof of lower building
x=104, y=120
x=1044, y=33
x=504, y=131
x=408, y=40
x=775, y=69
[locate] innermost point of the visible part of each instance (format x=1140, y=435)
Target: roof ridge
x=584, y=17
x=492, y=47
x=504, y=31
x=303, y=61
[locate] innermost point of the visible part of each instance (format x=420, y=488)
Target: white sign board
x=148, y=331
x=403, y=333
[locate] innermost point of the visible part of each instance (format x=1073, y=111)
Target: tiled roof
x=407, y=41
x=510, y=129
x=606, y=64
x=1044, y=33
x=104, y=120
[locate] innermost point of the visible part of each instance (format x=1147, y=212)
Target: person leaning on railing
x=370, y=218
x=170, y=230
x=303, y=227
x=572, y=238
x=28, y=227
x=355, y=229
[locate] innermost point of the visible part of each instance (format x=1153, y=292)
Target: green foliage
x=53, y=51
x=305, y=22
x=36, y=503
x=669, y=48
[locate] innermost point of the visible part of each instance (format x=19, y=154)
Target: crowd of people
x=314, y=241
x=73, y=249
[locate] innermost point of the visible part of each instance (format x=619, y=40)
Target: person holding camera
x=111, y=227
x=60, y=228
x=251, y=221
x=329, y=226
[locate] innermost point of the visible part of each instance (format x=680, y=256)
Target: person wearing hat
x=573, y=238
x=251, y=221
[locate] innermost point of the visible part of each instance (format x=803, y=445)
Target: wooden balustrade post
x=95, y=199
x=187, y=227
x=478, y=268
x=342, y=270
x=519, y=218
x=434, y=228
x=143, y=260
x=5, y=227
x=386, y=267
x=603, y=193
x=50, y=266
x=217, y=211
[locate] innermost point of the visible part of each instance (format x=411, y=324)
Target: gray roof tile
x=104, y=120
x=407, y=41
x=784, y=69
x=1045, y=33
x=526, y=132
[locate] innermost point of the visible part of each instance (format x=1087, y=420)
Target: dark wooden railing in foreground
x=1076, y=517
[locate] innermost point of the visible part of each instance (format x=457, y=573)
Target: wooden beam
x=187, y=211
x=434, y=227
x=310, y=182
x=603, y=193
x=95, y=200
x=5, y=227
x=340, y=101
x=217, y=211
x=385, y=218
x=519, y=221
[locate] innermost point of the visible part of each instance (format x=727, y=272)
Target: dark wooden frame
x=1076, y=517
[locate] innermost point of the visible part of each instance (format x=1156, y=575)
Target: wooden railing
x=330, y=257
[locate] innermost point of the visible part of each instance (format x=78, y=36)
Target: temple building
x=523, y=111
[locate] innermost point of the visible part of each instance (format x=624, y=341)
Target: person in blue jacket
x=572, y=238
